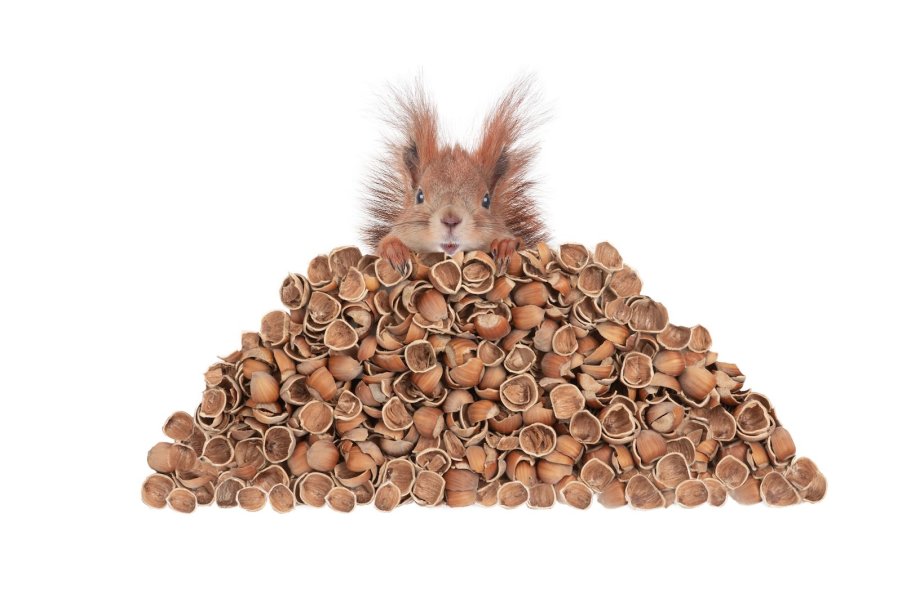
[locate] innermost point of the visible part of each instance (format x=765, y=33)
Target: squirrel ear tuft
x=412, y=115
x=500, y=152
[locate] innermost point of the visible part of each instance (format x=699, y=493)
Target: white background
x=163, y=165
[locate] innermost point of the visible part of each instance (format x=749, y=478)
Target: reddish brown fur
x=453, y=179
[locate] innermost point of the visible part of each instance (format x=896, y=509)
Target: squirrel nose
x=451, y=220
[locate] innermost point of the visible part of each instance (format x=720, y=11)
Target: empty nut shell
x=387, y=498
x=648, y=316
x=182, y=500
x=156, y=489
x=420, y=356
x=341, y=499
x=753, y=422
x=446, y=276
x=776, y=491
x=281, y=498
x=400, y=472
x=697, y=382
x=618, y=426
x=649, y=446
x=585, y=427
x=591, y=280
x=322, y=456
x=637, y=370
x=264, y=388
x=251, y=498
x=717, y=493
x=278, y=444
x=519, y=393
x=512, y=493
x=540, y=495
x=669, y=362
x=614, y=495
x=732, y=472
x=596, y=474
x=691, y=493
x=179, y=426
x=313, y=488
x=340, y=336
x=295, y=291
x=520, y=359
x=564, y=342
x=566, y=400
x=608, y=256
x=395, y=415
x=315, y=417
x=671, y=470
x=537, y=439
x=428, y=488
x=534, y=293
x=226, y=493
x=577, y=494
x=748, y=493
x=780, y=446
x=219, y=451
x=642, y=494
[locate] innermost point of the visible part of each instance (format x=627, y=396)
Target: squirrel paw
x=394, y=250
x=502, y=250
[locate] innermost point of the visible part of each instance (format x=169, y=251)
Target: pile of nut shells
x=452, y=383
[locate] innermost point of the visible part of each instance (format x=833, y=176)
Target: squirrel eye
x=420, y=196
x=486, y=201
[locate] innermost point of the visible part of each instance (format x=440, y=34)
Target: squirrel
x=424, y=195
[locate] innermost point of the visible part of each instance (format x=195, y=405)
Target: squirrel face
x=450, y=209
x=429, y=196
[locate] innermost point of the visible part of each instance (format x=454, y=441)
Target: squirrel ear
x=500, y=152
x=413, y=117
x=502, y=166
x=411, y=158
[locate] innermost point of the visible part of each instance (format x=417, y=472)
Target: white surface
x=162, y=166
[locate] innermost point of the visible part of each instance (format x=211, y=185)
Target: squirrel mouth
x=450, y=248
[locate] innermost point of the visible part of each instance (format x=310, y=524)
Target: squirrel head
x=440, y=198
